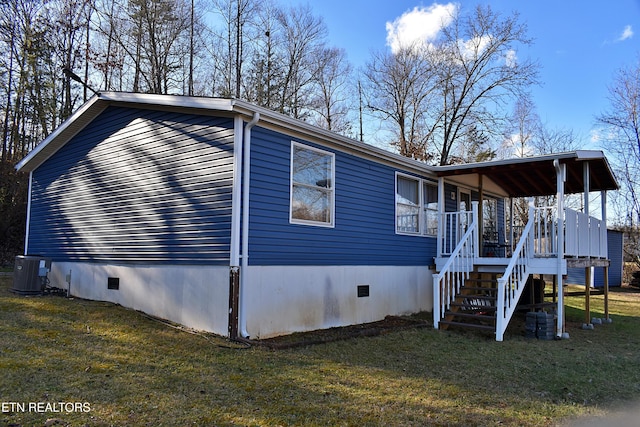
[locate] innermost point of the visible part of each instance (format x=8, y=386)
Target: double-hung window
x=416, y=206
x=312, y=186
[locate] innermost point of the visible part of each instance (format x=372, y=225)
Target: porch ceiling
x=536, y=176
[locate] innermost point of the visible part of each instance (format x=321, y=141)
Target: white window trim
x=332, y=189
x=421, y=205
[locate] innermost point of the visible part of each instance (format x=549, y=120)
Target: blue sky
x=579, y=44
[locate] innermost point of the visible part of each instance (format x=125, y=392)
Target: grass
x=132, y=370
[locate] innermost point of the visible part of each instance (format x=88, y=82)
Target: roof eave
x=284, y=122
x=92, y=108
x=71, y=126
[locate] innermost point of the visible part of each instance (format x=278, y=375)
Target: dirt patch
x=322, y=336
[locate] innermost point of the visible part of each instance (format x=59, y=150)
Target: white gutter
x=246, y=175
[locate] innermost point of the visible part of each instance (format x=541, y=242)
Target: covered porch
x=545, y=238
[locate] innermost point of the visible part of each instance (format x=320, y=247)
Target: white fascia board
x=589, y=154
x=179, y=101
x=580, y=154
x=74, y=124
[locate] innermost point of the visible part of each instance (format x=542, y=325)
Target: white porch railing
x=544, y=242
x=585, y=236
x=447, y=283
x=453, y=226
x=514, y=279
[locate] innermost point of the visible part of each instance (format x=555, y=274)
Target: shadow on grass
x=134, y=371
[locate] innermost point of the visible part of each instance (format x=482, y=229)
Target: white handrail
x=511, y=284
x=456, y=270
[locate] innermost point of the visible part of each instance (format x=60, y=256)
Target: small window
x=312, y=186
x=416, y=206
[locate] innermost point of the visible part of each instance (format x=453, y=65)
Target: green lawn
x=131, y=370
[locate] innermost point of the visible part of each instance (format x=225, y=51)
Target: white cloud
x=420, y=25
x=627, y=33
x=511, y=58
x=473, y=47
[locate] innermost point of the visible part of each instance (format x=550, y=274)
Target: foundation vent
x=113, y=283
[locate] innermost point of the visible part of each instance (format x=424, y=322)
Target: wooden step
x=466, y=325
x=475, y=306
x=479, y=289
x=485, y=279
x=474, y=316
x=471, y=307
x=478, y=297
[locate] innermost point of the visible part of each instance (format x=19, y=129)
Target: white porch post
x=604, y=245
x=588, y=274
x=561, y=171
x=480, y=215
x=437, y=298
x=511, y=242
x=532, y=217
x=603, y=201
x=587, y=186
x=476, y=238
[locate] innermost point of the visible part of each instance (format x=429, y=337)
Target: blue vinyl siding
x=450, y=203
x=364, y=231
x=577, y=276
x=137, y=185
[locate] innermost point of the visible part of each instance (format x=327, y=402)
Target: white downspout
x=441, y=223
x=236, y=197
x=26, y=234
x=246, y=176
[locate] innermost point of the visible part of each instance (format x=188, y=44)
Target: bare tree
x=237, y=16
x=554, y=140
x=474, y=147
x=332, y=94
x=69, y=33
x=521, y=129
x=143, y=44
x=473, y=73
x=7, y=70
x=526, y=135
x=479, y=73
x=104, y=52
x=265, y=69
x=400, y=88
x=303, y=36
x=621, y=138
